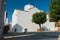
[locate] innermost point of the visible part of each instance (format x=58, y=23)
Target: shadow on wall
x=45, y=28
x=17, y=28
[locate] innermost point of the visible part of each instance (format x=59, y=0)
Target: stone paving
x=32, y=36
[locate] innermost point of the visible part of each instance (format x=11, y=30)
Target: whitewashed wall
x=23, y=19
x=49, y=25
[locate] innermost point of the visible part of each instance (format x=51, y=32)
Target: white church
x=21, y=19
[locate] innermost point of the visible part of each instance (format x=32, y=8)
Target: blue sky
x=19, y=4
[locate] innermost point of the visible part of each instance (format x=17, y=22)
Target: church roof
x=28, y=7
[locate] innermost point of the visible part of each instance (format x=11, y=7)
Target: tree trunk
x=56, y=24
x=40, y=27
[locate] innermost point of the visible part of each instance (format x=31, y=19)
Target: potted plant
x=40, y=30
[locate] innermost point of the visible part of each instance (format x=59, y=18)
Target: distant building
x=6, y=19
x=21, y=19
x=2, y=11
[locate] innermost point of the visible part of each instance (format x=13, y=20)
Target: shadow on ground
x=33, y=36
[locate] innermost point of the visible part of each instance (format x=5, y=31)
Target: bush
x=6, y=29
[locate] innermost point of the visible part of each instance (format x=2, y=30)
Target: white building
x=5, y=19
x=21, y=19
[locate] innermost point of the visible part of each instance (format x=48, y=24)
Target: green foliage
x=54, y=10
x=43, y=29
x=6, y=29
x=58, y=25
x=39, y=17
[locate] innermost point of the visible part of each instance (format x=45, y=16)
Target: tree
x=39, y=18
x=6, y=29
x=54, y=10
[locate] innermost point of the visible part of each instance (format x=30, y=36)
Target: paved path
x=33, y=36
